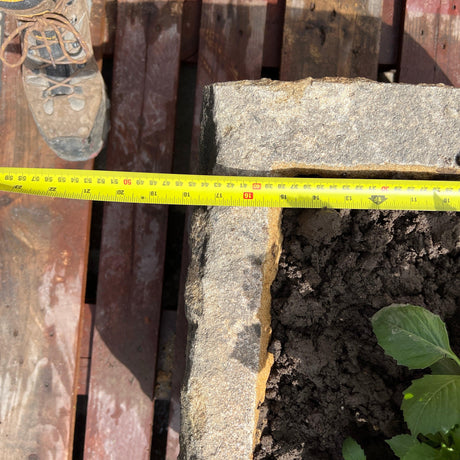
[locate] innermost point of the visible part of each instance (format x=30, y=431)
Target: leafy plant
x=351, y=450
x=418, y=339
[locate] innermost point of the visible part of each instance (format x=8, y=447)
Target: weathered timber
x=86, y=336
x=120, y=405
x=331, y=38
x=231, y=48
x=43, y=253
x=390, y=37
x=99, y=32
x=191, y=16
x=273, y=33
x=431, y=42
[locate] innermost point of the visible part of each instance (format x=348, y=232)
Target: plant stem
x=455, y=358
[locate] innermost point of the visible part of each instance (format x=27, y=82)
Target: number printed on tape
x=182, y=189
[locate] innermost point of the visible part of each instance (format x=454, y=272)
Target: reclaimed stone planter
x=329, y=127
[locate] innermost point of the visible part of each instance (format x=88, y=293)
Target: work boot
x=63, y=85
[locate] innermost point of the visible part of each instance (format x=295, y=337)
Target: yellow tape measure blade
x=284, y=192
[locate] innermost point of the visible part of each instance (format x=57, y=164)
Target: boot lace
x=36, y=26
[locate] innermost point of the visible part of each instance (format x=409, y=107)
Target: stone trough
x=328, y=127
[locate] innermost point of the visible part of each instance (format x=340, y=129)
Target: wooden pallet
x=57, y=345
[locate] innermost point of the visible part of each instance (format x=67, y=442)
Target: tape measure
x=284, y=192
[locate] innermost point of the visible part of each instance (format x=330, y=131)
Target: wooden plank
x=120, y=404
x=273, y=33
x=331, y=38
x=98, y=25
x=43, y=253
x=191, y=16
x=431, y=43
x=110, y=26
x=86, y=336
x=231, y=40
x=165, y=359
x=103, y=20
x=231, y=48
x=392, y=16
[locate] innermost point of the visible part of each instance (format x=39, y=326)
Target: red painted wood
x=122, y=374
x=191, y=17
x=43, y=253
x=273, y=33
x=392, y=16
x=431, y=42
x=447, y=7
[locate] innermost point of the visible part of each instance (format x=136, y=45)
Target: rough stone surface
x=325, y=127
x=233, y=265
x=330, y=124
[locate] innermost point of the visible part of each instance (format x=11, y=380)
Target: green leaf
x=412, y=335
x=455, y=435
x=401, y=444
x=445, y=366
x=432, y=404
x=351, y=450
x=421, y=451
x=447, y=454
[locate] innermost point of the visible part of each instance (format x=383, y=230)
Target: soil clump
x=330, y=378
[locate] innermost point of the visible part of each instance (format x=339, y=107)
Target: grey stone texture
x=342, y=125
x=327, y=127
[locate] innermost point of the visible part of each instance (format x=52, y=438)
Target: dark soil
x=330, y=379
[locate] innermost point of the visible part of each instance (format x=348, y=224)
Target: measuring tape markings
x=157, y=188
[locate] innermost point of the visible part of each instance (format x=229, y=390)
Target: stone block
x=328, y=127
